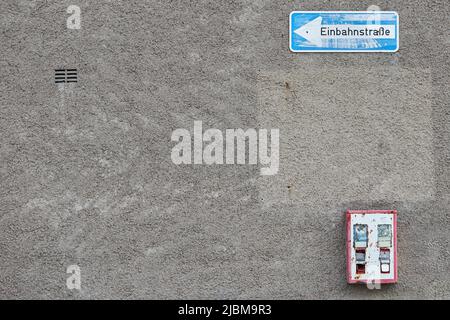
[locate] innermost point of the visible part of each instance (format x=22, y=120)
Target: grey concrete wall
x=87, y=178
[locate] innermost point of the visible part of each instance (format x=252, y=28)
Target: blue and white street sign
x=343, y=31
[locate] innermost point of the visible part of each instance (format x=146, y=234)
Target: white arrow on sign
x=311, y=31
x=314, y=32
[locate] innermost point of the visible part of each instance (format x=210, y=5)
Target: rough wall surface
x=87, y=178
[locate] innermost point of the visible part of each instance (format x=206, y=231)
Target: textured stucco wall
x=87, y=178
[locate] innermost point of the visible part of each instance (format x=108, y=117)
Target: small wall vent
x=66, y=75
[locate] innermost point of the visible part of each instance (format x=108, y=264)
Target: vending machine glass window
x=360, y=234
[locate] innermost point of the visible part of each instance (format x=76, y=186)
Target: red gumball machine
x=372, y=246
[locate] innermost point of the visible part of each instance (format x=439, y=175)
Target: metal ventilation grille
x=66, y=75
